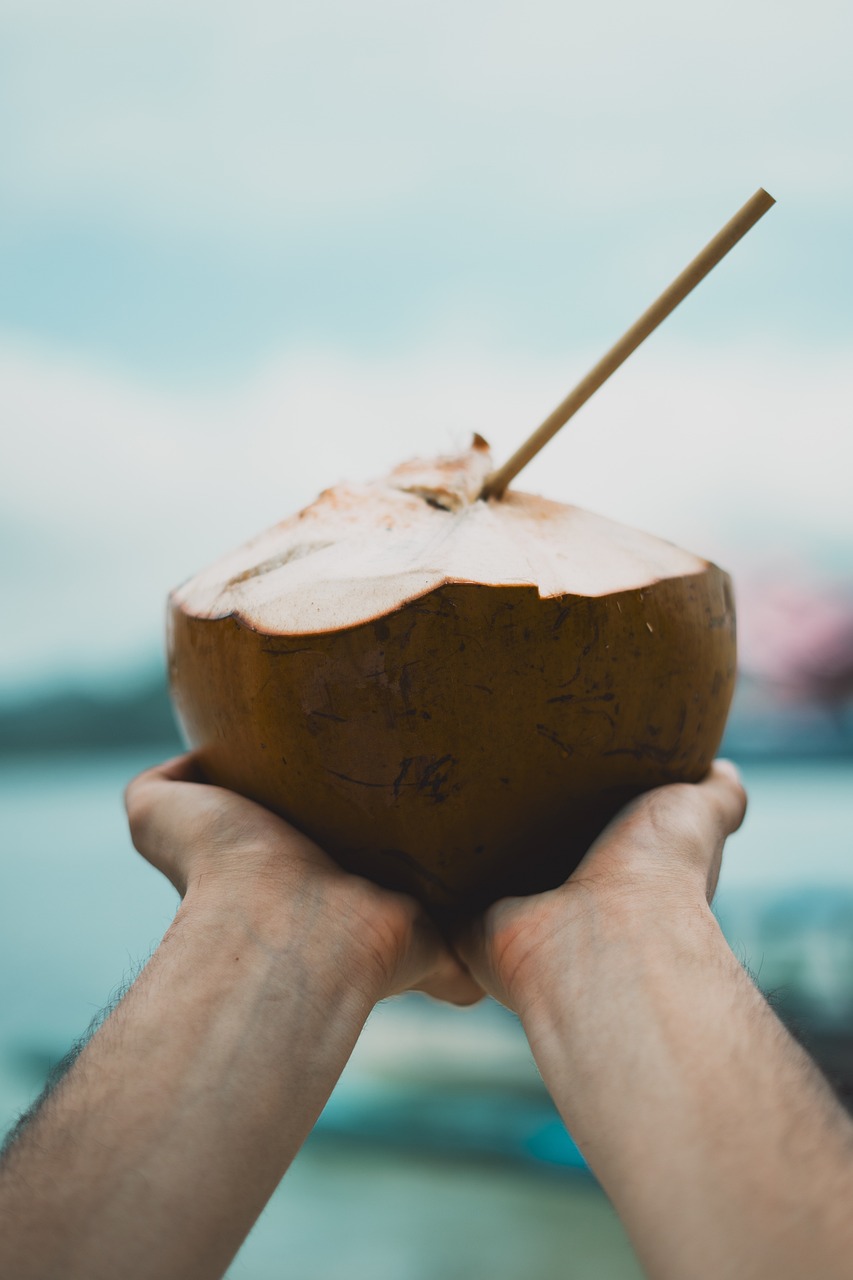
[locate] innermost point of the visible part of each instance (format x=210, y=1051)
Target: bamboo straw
x=714, y=250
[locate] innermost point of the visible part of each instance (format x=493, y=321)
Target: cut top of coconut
x=362, y=551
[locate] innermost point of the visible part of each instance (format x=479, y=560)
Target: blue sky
x=187, y=186
x=247, y=249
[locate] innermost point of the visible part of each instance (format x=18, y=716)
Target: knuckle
x=465, y=999
x=142, y=801
x=741, y=804
x=137, y=804
x=669, y=810
x=677, y=820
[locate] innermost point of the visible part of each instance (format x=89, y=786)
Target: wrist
x=591, y=936
x=612, y=1003
x=290, y=932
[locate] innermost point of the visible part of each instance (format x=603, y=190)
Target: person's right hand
x=660, y=855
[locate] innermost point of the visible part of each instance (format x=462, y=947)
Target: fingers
x=725, y=793
x=187, y=831
x=712, y=808
x=681, y=827
x=160, y=823
x=663, y=847
x=469, y=943
x=144, y=792
x=174, y=816
x=425, y=961
x=679, y=815
x=183, y=768
x=725, y=798
x=452, y=984
x=176, y=823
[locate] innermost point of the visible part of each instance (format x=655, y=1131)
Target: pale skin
x=719, y=1143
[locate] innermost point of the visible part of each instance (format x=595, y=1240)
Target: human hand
x=659, y=856
x=227, y=855
x=689, y=1100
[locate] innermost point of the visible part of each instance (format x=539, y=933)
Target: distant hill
x=92, y=719
x=761, y=726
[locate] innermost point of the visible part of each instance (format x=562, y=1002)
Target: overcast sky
x=248, y=249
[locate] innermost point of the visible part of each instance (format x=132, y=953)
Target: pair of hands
x=661, y=853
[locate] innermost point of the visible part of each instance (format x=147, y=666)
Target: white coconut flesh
x=362, y=551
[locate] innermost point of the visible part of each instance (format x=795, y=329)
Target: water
x=80, y=910
x=441, y=1118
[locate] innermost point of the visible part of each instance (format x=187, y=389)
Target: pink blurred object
x=798, y=636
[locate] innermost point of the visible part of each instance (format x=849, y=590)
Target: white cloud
x=112, y=493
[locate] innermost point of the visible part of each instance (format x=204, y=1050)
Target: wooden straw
x=716, y=249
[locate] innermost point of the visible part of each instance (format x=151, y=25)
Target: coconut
x=452, y=696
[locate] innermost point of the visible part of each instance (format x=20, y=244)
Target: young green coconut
x=452, y=688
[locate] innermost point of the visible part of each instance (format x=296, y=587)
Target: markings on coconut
x=401, y=776
x=597, y=711
x=428, y=775
x=587, y=649
x=433, y=780
x=563, y=684
x=545, y=732
x=357, y=782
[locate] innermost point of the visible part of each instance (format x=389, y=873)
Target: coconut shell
x=452, y=697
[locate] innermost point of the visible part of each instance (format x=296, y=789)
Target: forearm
x=160, y=1148
x=718, y=1141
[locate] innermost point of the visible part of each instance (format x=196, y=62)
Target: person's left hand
x=231, y=856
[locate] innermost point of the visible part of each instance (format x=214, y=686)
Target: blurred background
x=249, y=250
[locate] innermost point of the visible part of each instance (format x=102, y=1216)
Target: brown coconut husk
x=452, y=696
